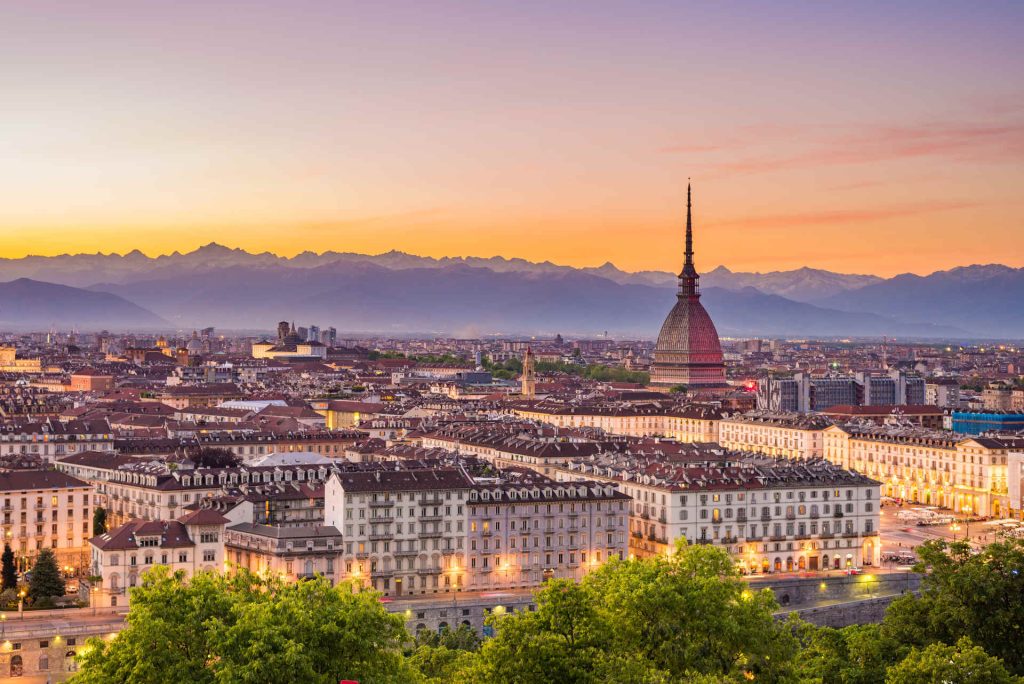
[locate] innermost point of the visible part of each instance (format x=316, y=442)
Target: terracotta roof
x=21, y=480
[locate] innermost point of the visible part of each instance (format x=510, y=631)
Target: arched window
x=17, y=669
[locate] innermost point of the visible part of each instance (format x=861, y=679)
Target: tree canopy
x=248, y=629
x=9, y=575
x=99, y=521
x=45, y=581
x=684, y=617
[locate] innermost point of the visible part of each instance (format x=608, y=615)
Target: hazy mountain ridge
x=985, y=299
x=82, y=270
x=30, y=304
x=233, y=288
x=474, y=301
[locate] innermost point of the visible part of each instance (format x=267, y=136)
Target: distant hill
x=81, y=270
x=29, y=304
x=476, y=301
x=395, y=291
x=985, y=300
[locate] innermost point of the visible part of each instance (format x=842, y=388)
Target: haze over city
x=857, y=137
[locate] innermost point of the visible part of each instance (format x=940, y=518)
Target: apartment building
x=154, y=490
x=192, y=543
x=52, y=439
x=531, y=528
x=291, y=553
x=769, y=514
x=936, y=468
x=44, y=509
x=510, y=446
x=249, y=445
x=404, y=529
x=690, y=423
x=787, y=435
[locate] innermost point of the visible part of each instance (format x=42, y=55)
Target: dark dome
x=688, y=335
x=688, y=350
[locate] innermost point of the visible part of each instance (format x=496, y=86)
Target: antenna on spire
x=689, y=225
x=688, y=276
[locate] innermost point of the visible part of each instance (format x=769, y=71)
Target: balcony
x=382, y=519
x=431, y=571
x=381, y=536
x=703, y=541
x=405, y=553
x=766, y=517
x=814, y=515
x=838, y=513
x=431, y=535
x=777, y=537
x=431, y=518
x=431, y=502
x=729, y=540
x=381, y=504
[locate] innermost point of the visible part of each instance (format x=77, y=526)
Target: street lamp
x=954, y=528
x=21, y=604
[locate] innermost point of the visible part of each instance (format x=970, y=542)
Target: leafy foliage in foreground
x=684, y=618
x=249, y=629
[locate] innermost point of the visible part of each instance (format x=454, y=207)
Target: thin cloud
x=842, y=216
x=877, y=144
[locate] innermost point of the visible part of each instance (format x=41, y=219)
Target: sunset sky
x=868, y=137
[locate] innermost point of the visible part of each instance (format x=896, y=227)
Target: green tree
x=463, y=638
x=99, y=521
x=46, y=581
x=441, y=665
x=244, y=628
x=980, y=596
x=9, y=574
x=687, y=617
x=963, y=663
x=678, y=389
x=858, y=654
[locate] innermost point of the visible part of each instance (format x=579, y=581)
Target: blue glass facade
x=977, y=422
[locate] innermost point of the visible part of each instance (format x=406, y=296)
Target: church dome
x=688, y=334
x=688, y=351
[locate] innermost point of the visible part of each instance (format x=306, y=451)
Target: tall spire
x=689, y=226
x=688, y=277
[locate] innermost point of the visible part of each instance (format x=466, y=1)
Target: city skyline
x=532, y=132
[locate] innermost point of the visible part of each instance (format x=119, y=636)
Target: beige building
x=522, y=533
x=291, y=553
x=51, y=439
x=930, y=467
x=193, y=543
x=770, y=516
x=404, y=530
x=45, y=509
x=789, y=435
x=692, y=423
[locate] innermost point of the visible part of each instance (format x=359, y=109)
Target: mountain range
x=32, y=305
x=399, y=293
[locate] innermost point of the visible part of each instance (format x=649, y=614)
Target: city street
x=905, y=535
